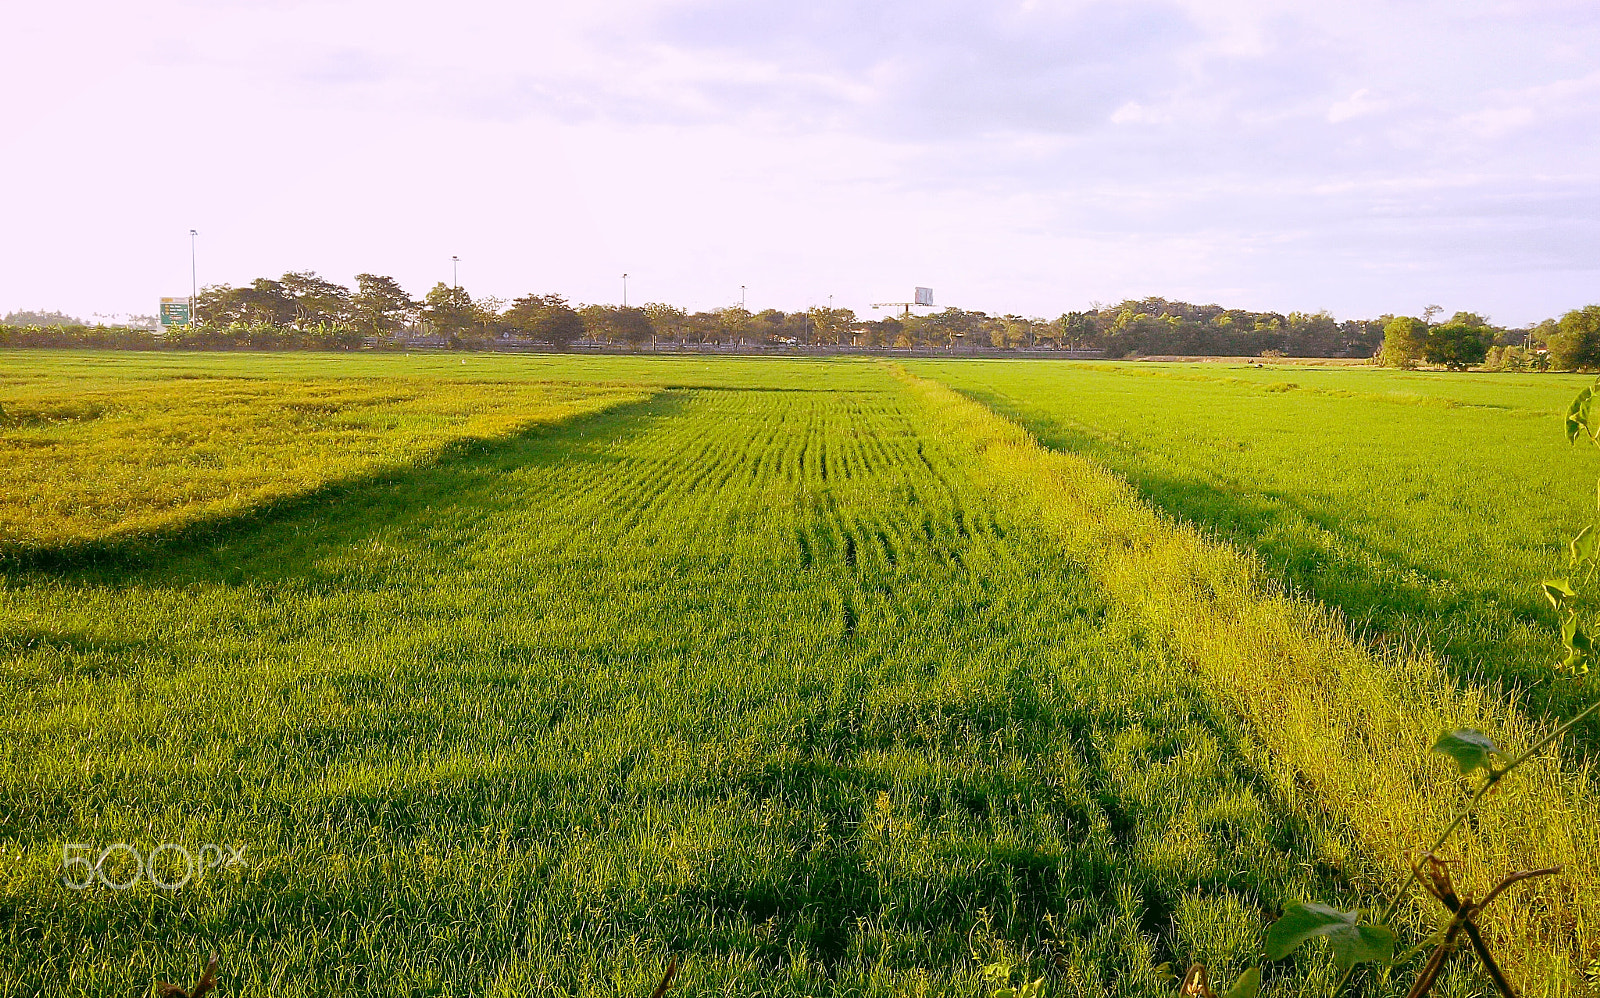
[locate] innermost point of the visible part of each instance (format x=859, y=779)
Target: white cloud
x=1135, y=113
x=1360, y=103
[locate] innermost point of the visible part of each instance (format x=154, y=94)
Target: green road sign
x=174, y=311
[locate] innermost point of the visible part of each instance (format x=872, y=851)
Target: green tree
x=222, y=305
x=880, y=333
x=1360, y=337
x=632, y=324
x=449, y=311
x=40, y=319
x=1018, y=331
x=1576, y=343
x=617, y=322
x=561, y=328
x=547, y=318
x=380, y=305
x=267, y=303
x=1541, y=334
x=772, y=325
x=1312, y=335
x=669, y=321
x=486, y=313
x=952, y=326
x=1403, y=339
x=734, y=323
x=1456, y=345
x=1076, y=331
x=263, y=302
x=831, y=325
x=596, y=322
x=316, y=302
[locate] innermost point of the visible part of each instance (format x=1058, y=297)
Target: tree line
x=1153, y=326
x=1570, y=343
x=301, y=310
x=378, y=307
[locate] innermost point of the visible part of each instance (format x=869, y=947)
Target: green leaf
x=1351, y=943
x=1556, y=590
x=1578, y=414
x=1470, y=749
x=1361, y=944
x=1573, y=636
x=1248, y=984
x=1304, y=921
x=1585, y=545
x=999, y=971
x=1576, y=663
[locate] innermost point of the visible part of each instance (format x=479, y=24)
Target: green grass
x=826, y=681
x=763, y=678
x=1344, y=728
x=1425, y=507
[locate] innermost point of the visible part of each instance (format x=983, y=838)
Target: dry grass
x=137, y=458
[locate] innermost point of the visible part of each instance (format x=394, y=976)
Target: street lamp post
x=455, y=272
x=194, y=276
x=741, y=299
x=624, y=290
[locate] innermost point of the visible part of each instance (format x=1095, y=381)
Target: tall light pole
x=741, y=299
x=455, y=272
x=624, y=290
x=194, y=276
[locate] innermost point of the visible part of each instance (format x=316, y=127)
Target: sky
x=1030, y=158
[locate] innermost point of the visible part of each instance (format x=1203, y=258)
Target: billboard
x=174, y=312
x=924, y=296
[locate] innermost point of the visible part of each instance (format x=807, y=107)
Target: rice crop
x=816, y=677
x=1346, y=730
x=756, y=678
x=1424, y=507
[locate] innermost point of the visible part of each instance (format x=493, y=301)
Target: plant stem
x=1495, y=776
x=1489, y=964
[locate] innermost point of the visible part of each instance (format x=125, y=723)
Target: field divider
x=1346, y=730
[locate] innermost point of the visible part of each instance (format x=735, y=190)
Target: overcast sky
x=1030, y=157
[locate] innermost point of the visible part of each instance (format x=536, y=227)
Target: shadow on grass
x=1478, y=634
x=229, y=548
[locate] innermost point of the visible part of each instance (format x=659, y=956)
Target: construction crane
x=923, y=299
